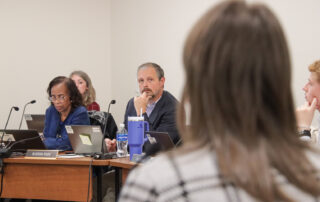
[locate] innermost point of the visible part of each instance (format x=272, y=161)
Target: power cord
x=89, y=183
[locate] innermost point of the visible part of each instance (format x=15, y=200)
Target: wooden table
x=122, y=167
x=55, y=179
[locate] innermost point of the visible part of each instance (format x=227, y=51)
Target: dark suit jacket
x=162, y=118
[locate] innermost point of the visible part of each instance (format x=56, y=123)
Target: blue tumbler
x=136, y=128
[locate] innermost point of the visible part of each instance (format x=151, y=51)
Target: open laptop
x=21, y=140
x=162, y=139
x=85, y=139
x=35, y=122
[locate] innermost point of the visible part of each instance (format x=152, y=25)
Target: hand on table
x=111, y=144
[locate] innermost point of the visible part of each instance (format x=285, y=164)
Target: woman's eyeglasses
x=57, y=98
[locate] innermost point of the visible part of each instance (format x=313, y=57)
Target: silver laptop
x=35, y=122
x=85, y=139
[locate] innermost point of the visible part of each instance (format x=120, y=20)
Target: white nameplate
x=48, y=154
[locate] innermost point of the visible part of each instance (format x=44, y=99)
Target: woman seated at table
x=66, y=109
x=84, y=85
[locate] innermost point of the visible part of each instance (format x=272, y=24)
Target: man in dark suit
x=154, y=103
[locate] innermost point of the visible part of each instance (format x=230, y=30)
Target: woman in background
x=84, y=85
x=242, y=142
x=66, y=109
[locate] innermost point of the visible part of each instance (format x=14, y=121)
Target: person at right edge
x=242, y=142
x=158, y=107
x=305, y=112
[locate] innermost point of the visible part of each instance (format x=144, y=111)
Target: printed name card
x=49, y=154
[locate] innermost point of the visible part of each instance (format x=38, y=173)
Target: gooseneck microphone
x=16, y=109
x=5, y=127
x=24, y=108
x=105, y=126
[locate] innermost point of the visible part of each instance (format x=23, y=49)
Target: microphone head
x=113, y=102
x=32, y=101
x=15, y=108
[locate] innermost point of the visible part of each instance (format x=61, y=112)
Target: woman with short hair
x=66, y=109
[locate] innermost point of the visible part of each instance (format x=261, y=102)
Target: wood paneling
x=55, y=179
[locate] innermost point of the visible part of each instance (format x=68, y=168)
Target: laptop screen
x=85, y=139
x=22, y=139
x=161, y=138
x=35, y=122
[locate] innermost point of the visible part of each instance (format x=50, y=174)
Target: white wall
x=149, y=31
x=152, y=30
x=300, y=21
x=109, y=39
x=41, y=39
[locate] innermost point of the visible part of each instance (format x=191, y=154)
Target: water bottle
x=122, y=141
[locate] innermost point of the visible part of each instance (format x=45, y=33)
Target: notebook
x=21, y=140
x=161, y=138
x=35, y=122
x=85, y=139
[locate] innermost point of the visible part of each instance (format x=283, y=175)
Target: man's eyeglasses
x=57, y=98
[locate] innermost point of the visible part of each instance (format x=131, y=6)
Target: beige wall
x=149, y=31
x=152, y=30
x=108, y=39
x=41, y=39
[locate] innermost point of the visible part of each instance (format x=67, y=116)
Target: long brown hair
x=89, y=96
x=238, y=76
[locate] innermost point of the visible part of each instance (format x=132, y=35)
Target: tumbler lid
x=135, y=118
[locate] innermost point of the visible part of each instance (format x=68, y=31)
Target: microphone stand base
x=109, y=155
x=5, y=153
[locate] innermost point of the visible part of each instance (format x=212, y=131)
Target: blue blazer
x=55, y=133
x=162, y=118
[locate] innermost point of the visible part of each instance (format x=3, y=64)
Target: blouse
x=93, y=106
x=55, y=133
x=193, y=176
